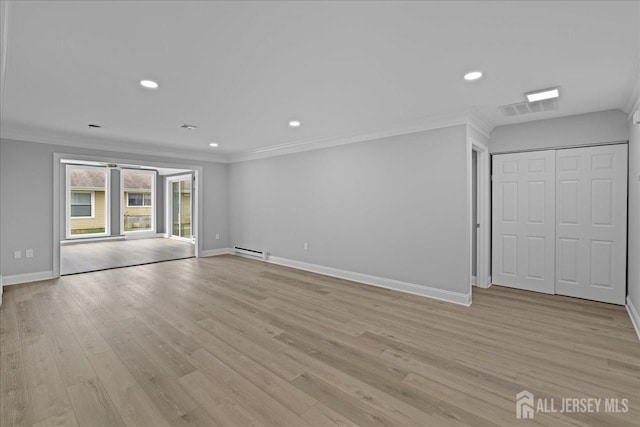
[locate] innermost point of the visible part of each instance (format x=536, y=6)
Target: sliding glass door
x=181, y=207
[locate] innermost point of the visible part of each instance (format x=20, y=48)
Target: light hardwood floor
x=226, y=341
x=93, y=256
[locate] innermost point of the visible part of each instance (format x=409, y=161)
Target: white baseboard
x=135, y=236
x=27, y=277
x=216, y=252
x=91, y=240
x=396, y=285
x=634, y=315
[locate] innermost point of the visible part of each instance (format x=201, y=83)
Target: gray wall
x=115, y=202
x=160, y=220
x=633, y=278
x=603, y=126
x=26, y=190
x=393, y=207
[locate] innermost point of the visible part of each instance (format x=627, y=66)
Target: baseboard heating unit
x=251, y=252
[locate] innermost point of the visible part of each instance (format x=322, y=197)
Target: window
x=137, y=189
x=139, y=199
x=81, y=205
x=87, y=201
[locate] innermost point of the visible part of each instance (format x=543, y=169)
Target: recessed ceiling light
x=541, y=95
x=294, y=123
x=149, y=84
x=213, y=144
x=473, y=75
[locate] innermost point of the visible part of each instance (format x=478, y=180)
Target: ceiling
x=242, y=70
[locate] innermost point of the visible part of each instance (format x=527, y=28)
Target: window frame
x=93, y=204
x=107, y=202
x=154, y=220
x=150, y=194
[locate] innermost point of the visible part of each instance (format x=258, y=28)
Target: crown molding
x=470, y=117
x=480, y=122
x=419, y=125
x=56, y=137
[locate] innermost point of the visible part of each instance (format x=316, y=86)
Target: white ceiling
x=241, y=71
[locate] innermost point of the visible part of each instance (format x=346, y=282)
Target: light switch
x=17, y=254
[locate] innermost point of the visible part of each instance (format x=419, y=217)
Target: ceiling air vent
x=188, y=127
x=521, y=108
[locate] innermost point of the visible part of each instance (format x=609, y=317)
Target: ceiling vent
x=188, y=127
x=521, y=108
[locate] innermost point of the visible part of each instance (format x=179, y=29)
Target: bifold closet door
x=523, y=229
x=592, y=223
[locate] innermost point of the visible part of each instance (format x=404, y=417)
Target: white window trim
x=107, y=203
x=154, y=176
x=140, y=192
x=93, y=204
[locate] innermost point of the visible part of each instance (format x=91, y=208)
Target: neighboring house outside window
x=139, y=199
x=87, y=202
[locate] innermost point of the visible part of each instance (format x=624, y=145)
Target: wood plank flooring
x=226, y=341
x=93, y=256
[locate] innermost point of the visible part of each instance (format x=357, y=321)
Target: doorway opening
x=479, y=213
x=114, y=215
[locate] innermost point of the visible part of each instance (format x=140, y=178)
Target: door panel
x=592, y=223
x=524, y=230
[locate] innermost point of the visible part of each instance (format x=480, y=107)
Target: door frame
x=483, y=241
x=59, y=200
x=169, y=205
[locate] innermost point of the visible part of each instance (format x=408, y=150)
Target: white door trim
x=58, y=205
x=482, y=279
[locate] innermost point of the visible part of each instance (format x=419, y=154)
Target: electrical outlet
x=217, y=236
x=17, y=254
x=28, y=253
x=306, y=246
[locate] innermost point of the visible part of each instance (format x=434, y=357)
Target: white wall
x=394, y=207
x=26, y=197
x=633, y=278
x=590, y=128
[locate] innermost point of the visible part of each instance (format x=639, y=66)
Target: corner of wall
x=634, y=315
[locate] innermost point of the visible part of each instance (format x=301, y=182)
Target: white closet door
x=524, y=220
x=592, y=223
